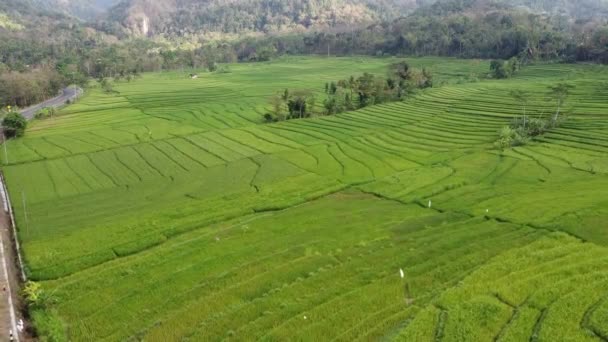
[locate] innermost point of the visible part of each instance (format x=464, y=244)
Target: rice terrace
x=169, y=210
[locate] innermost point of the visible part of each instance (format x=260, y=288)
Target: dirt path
x=10, y=305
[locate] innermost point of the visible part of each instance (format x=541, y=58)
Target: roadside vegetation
x=14, y=125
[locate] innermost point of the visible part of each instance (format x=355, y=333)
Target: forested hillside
x=193, y=17
x=44, y=45
x=556, y=30
x=82, y=9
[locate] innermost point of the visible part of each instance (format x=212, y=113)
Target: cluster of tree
x=500, y=69
x=368, y=89
x=291, y=104
x=350, y=94
x=524, y=128
x=23, y=89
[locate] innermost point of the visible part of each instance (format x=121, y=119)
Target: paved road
x=10, y=313
x=69, y=93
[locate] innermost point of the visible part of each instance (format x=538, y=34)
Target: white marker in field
x=430, y=203
x=401, y=273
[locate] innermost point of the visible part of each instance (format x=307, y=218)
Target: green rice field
x=169, y=211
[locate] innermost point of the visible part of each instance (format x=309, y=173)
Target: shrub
x=45, y=113
x=510, y=137
x=106, y=86
x=14, y=125
x=32, y=294
x=224, y=69
x=504, y=69
x=48, y=326
x=498, y=69
x=536, y=127
x=269, y=118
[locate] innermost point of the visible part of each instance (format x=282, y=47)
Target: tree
x=277, y=103
x=311, y=102
x=14, y=125
x=523, y=98
x=427, y=78
x=348, y=102
x=509, y=137
x=366, y=89
x=331, y=105
x=560, y=93
x=498, y=69
x=333, y=88
x=299, y=103
x=286, y=95
x=402, y=70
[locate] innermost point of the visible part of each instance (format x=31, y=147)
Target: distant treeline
x=496, y=35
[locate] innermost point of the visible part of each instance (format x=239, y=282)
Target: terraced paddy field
x=169, y=212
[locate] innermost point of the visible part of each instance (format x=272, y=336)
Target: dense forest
x=47, y=44
x=212, y=18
